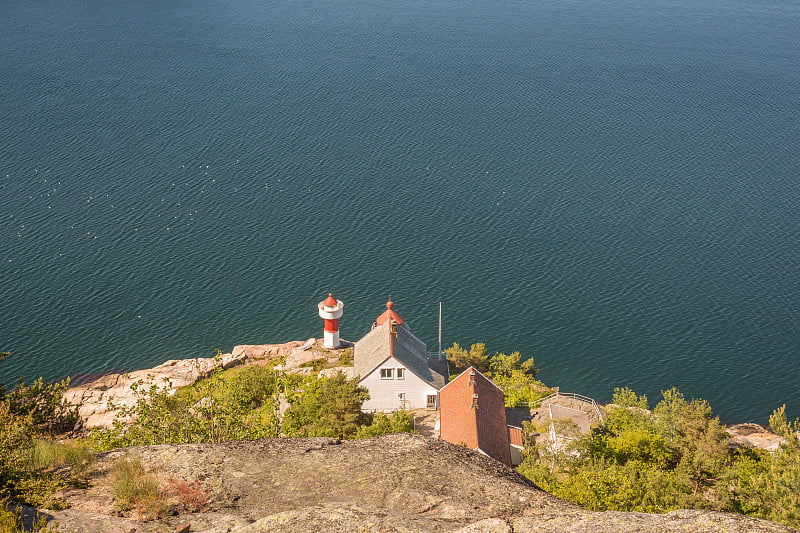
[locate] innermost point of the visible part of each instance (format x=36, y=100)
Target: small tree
x=326, y=407
x=697, y=438
x=45, y=404
x=460, y=359
x=501, y=364
x=517, y=379
x=16, y=443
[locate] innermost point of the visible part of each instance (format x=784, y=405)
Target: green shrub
x=459, y=359
x=326, y=407
x=316, y=364
x=11, y=521
x=676, y=456
x=45, y=405
x=381, y=424
x=346, y=357
x=239, y=403
x=515, y=377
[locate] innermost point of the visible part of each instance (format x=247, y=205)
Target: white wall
x=516, y=455
x=383, y=392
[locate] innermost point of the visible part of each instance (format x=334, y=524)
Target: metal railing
x=436, y=355
x=536, y=403
x=571, y=395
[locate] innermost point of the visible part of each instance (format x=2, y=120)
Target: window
x=431, y=402
x=401, y=373
x=387, y=373
x=401, y=396
x=474, y=402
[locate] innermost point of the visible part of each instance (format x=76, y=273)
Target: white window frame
x=387, y=373
x=400, y=373
x=435, y=401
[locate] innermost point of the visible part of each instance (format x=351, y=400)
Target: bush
x=767, y=485
x=346, y=357
x=316, y=364
x=515, y=377
x=45, y=405
x=381, y=424
x=192, y=497
x=459, y=359
x=642, y=461
x=326, y=407
x=16, y=443
x=240, y=403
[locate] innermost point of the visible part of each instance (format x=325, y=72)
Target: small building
x=473, y=414
x=393, y=365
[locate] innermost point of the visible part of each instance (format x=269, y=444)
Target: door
x=432, y=402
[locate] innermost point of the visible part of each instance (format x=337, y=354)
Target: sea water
x=608, y=187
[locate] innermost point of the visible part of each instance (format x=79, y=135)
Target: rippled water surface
x=609, y=187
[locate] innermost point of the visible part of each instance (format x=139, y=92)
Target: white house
x=393, y=365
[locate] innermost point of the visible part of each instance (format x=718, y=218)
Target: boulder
x=751, y=435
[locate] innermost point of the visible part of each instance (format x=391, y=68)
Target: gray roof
x=379, y=344
x=440, y=367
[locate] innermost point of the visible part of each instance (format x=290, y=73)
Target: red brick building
x=472, y=413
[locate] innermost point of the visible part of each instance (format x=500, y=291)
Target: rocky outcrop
x=98, y=401
x=754, y=436
x=393, y=483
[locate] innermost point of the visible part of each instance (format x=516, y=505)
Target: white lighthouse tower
x=330, y=309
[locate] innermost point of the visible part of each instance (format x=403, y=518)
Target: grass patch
x=137, y=490
x=78, y=455
x=346, y=357
x=316, y=364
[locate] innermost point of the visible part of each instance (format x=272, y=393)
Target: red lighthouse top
x=330, y=301
x=389, y=313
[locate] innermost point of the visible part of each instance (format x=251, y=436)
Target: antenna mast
x=440, y=330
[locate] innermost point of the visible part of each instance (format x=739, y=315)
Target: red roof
x=515, y=436
x=330, y=301
x=389, y=313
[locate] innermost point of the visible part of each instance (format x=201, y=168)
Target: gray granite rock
x=391, y=483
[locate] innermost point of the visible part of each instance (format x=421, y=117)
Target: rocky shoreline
x=99, y=400
x=93, y=397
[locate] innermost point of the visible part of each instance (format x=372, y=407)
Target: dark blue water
x=612, y=188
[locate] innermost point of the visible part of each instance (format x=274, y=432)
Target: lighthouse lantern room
x=330, y=309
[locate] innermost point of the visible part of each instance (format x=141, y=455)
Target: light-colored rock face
x=346, y=371
x=98, y=401
x=754, y=436
x=390, y=484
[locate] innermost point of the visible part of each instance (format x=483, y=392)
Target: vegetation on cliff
x=517, y=378
x=675, y=456
x=29, y=417
x=244, y=403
